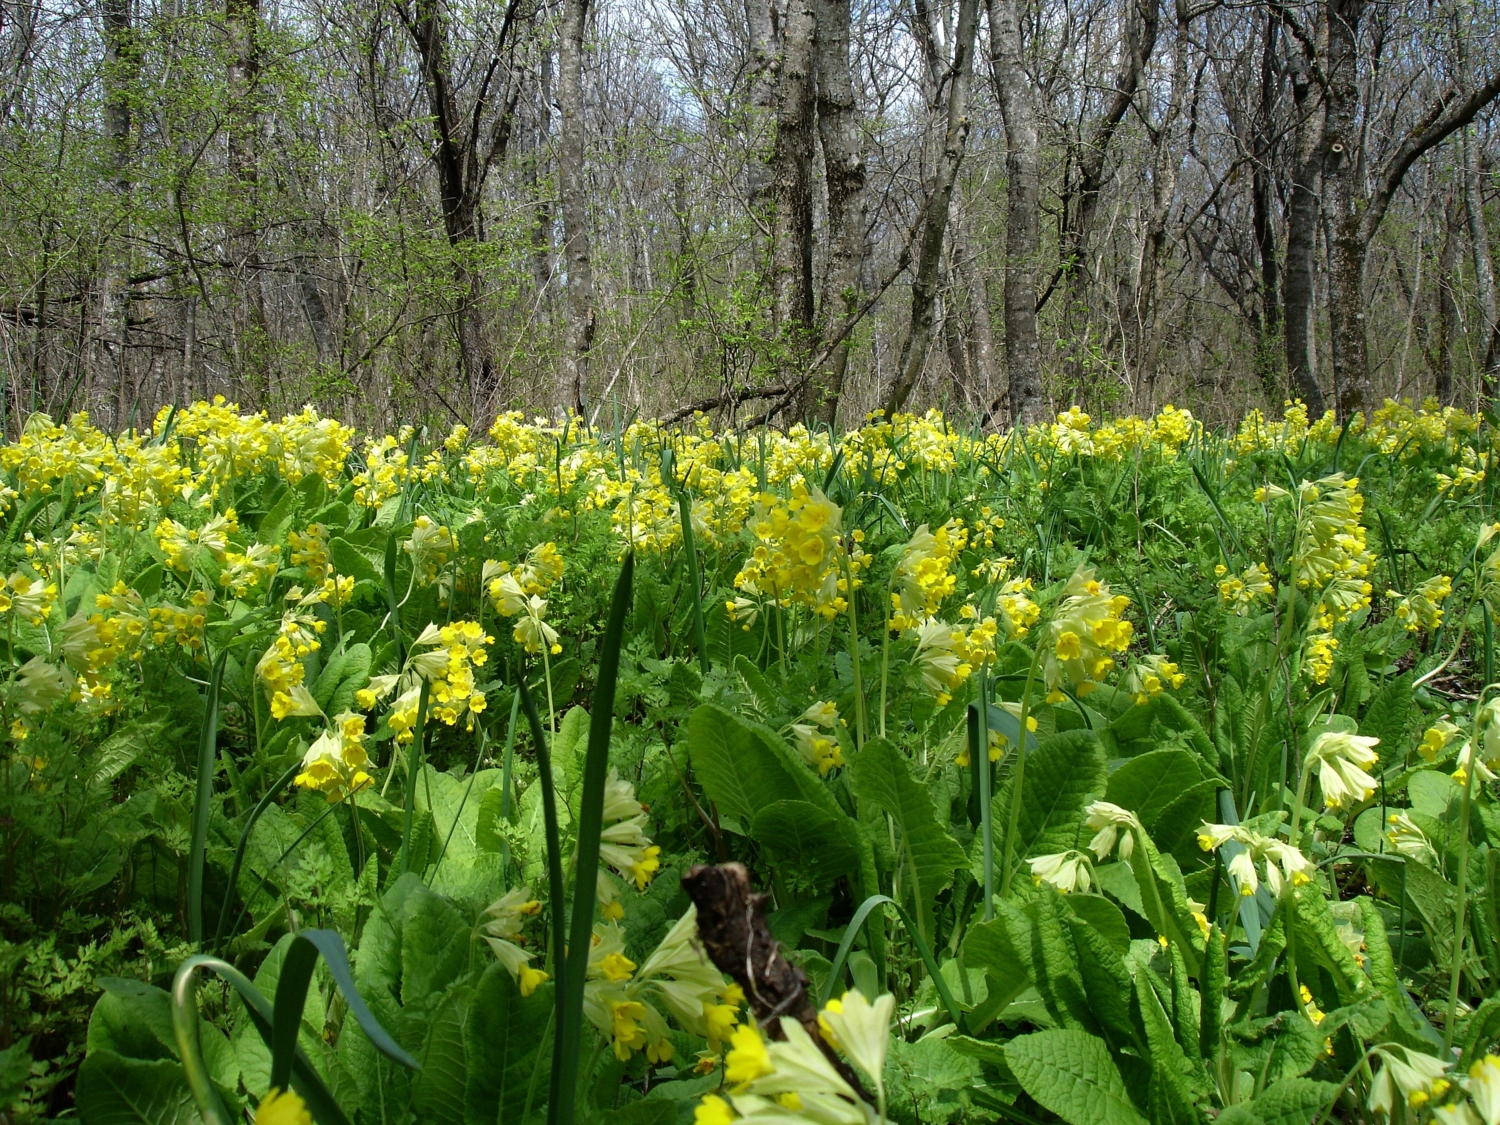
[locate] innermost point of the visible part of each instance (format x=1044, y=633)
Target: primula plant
x=1096, y=772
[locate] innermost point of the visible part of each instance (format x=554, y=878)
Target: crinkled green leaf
x=1072, y=1074
x=883, y=778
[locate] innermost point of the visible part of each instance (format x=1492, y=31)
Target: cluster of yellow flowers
x=1149, y=676
x=626, y=1002
x=813, y=735
x=384, y=473
x=282, y=670
x=790, y=1079
x=1083, y=636
x=800, y=557
x=502, y=931
x=516, y=591
x=924, y=576
x=335, y=763
x=1244, y=591
x=27, y=597
x=444, y=657
x=1423, y=607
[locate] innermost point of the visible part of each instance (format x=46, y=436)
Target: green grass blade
x=506, y=780
x=190, y=1048
x=690, y=553
x=208, y=744
x=590, y=826
x=557, y=911
x=413, y=768
x=239, y=851
x=866, y=908
x=305, y=1080
x=291, y=998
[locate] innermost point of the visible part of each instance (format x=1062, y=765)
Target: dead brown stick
x=732, y=926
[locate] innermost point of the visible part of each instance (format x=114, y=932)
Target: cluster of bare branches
x=772, y=209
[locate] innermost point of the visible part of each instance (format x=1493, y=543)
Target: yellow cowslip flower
x=430, y=547
x=616, y=967
x=748, y=1058
x=1251, y=586
x=924, y=575
x=1308, y=1007
x=939, y=659
x=1088, y=628
x=335, y=763
x=1437, y=738
x=1150, y=676
x=1341, y=760
x=1484, y=1088
x=1423, y=607
x=626, y=1033
x=384, y=473
x=1409, y=840
x=1067, y=871
x=1407, y=1076
x=712, y=1110
x=28, y=598
x=1282, y=862
x=800, y=556
x=1317, y=660
x=282, y=1108
x=310, y=550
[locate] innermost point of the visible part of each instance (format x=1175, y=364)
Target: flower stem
x=1018, y=777
x=1459, y=930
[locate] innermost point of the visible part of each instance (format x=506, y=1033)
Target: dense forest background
x=778, y=209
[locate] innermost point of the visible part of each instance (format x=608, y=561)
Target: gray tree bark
x=925, y=285
x=579, y=338
x=1018, y=109
x=1484, y=269
x=844, y=174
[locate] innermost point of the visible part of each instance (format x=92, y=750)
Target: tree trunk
x=1484, y=269
x=579, y=338
x=1301, y=239
x=935, y=222
x=792, y=191
x=844, y=173
x=1269, y=351
x=108, y=370
x=1017, y=97
x=979, y=338
x=1346, y=249
x=1144, y=329
x=242, y=30
x=1141, y=20
x=456, y=161
x=1447, y=321
x=541, y=239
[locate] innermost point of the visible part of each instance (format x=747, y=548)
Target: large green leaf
x=737, y=769
x=1002, y=948
x=1062, y=775
x=508, y=1050
x=882, y=777
x=434, y=947
x=1055, y=961
x=1071, y=1073
x=810, y=838
x=1105, y=917
x=114, y=1090
x=1148, y=784
x=1293, y=1101
x=437, y=1090
x=343, y=675
x=1388, y=716
x=134, y=1019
